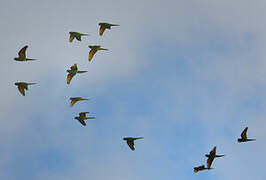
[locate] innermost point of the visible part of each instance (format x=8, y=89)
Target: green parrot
x=104, y=25
x=76, y=35
x=93, y=50
x=22, y=55
x=72, y=72
x=244, y=136
x=22, y=86
x=82, y=116
x=200, y=168
x=130, y=141
x=211, y=157
x=76, y=99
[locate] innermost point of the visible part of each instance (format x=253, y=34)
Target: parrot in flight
x=76, y=99
x=93, y=50
x=72, y=72
x=82, y=116
x=104, y=25
x=22, y=55
x=211, y=157
x=22, y=86
x=130, y=141
x=244, y=136
x=76, y=35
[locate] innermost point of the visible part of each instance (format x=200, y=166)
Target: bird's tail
x=139, y=138
x=81, y=71
x=114, y=24
x=251, y=139
x=219, y=155
x=84, y=99
x=103, y=49
x=90, y=117
x=30, y=59
x=31, y=83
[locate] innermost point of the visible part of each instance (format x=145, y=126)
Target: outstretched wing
x=71, y=37
x=72, y=102
x=82, y=122
x=130, y=143
x=21, y=90
x=91, y=54
x=213, y=151
x=209, y=162
x=22, y=52
x=101, y=30
x=69, y=77
x=244, y=133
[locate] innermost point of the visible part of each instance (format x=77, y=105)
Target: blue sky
x=186, y=75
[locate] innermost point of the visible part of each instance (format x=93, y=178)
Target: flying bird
x=76, y=99
x=93, y=50
x=130, y=141
x=244, y=136
x=22, y=86
x=82, y=116
x=76, y=35
x=200, y=168
x=22, y=55
x=104, y=26
x=211, y=157
x=72, y=72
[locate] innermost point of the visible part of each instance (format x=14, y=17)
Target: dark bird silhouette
x=211, y=157
x=82, y=116
x=244, y=136
x=130, y=141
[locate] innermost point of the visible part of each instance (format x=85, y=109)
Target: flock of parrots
x=22, y=86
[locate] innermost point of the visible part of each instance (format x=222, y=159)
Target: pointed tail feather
x=31, y=59
x=31, y=83
x=81, y=71
x=103, y=49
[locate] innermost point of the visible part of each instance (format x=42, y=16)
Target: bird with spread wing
x=76, y=35
x=22, y=86
x=211, y=157
x=82, y=116
x=130, y=141
x=244, y=136
x=22, y=55
x=93, y=50
x=72, y=72
x=104, y=25
x=76, y=99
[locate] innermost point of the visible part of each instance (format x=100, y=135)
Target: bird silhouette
x=72, y=72
x=76, y=99
x=76, y=35
x=93, y=50
x=22, y=55
x=130, y=141
x=244, y=136
x=22, y=86
x=104, y=25
x=211, y=157
x=82, y=116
